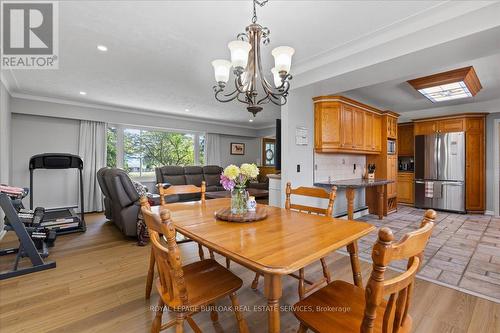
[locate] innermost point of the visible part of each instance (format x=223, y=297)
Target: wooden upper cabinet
x=451, y=125
x=377, y=133
x=346, y=126
x=405, y=140
x=327, y=126
x=358, y=129
x=425, y=127
x=368, y=131
x=392, y=128
x=347, y=137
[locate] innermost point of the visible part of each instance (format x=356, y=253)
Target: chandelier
x=247, y=68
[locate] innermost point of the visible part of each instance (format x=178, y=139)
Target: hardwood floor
x=98, y=286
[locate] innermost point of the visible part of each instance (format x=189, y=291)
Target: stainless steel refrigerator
x=440, y=171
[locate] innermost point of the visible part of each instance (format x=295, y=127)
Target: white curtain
x=92, y=150
x=213, y=149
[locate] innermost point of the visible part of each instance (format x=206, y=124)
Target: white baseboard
x=489, y=212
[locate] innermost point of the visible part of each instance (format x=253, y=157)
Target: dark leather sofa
x=121, y=200
x=190, y=175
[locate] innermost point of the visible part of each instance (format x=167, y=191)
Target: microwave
x=391, y=147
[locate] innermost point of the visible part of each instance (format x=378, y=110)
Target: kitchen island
x=351, y=185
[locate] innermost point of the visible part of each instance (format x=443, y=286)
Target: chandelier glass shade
x=246, y=66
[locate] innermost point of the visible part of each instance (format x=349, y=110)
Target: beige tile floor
x=463, y=252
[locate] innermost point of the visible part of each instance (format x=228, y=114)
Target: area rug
x=463, y=252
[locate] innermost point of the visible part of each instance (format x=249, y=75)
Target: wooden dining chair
x=368, y=310
x=165, y=190
x=311, y=192
x=187, y=290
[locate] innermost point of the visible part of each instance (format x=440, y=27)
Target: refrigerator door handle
x=419, y=182
x=453, y=183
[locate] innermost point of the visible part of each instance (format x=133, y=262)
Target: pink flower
x=227, y=183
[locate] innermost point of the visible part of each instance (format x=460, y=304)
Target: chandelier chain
x=261, y=3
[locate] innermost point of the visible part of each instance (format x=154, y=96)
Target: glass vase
x=239, y=198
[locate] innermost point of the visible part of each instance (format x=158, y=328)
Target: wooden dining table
x=284, y=242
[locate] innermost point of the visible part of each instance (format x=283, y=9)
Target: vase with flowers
x=235, y=179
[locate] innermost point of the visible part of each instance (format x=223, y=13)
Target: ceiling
x=160, y=52
x=401, y=97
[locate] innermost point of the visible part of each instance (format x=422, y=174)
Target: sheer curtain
x=213, y=149
x=92, y=150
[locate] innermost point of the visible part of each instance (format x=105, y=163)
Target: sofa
x=190, y=175
x=121, y=200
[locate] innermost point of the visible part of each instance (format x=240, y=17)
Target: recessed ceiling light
x=250, y=120
x=83, y=93
x=447, y=86
x=102, y=48
x=187, y=110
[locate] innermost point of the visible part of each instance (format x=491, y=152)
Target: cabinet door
x=392, y=170
x=451, y=125
x=347, y=126
x=405, y=140
x=405, y=188
x=377, y=133
x=358, y=129
x=425, y=127
x=327, y=126
x=368, y=137
x=474, y=171
x=391, y=128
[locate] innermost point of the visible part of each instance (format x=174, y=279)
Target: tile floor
x=463, y=252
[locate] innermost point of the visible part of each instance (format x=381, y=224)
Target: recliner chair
x=105, y=192
x=123, y=199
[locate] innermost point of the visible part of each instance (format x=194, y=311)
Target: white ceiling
x=401, y=97
x=160, y=52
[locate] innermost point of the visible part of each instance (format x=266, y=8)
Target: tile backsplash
x=338, y=166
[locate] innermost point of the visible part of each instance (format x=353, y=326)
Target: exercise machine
x=34, y=240
x=63, y=220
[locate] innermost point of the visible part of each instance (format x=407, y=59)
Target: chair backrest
x=314, y=192
x=166, y=190
x=400, y=288
x=167, y=256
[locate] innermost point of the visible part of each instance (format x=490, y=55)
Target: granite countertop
x=354, y=183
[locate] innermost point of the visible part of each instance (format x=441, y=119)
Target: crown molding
x=143, y=112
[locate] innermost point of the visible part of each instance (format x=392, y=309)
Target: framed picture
x=237, y=148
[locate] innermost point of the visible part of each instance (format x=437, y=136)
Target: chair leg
x=200, y=252
x=302, y=287
x=212, y=255
x=214, y=316
x=151, y=274
x=242, y=324
x=255, y=281
x=228, y=263
x=302, y=328
x=179, y=323
x=156, y=326
x=193, y=325
x=326, y=272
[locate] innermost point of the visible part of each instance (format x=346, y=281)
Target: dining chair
x=187, y=290
x=165, y=190
x=311, y=192
x=343, y=307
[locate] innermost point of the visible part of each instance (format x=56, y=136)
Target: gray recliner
x=123, y=199
x=105, y=192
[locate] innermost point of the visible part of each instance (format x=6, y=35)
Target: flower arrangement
x=234, y=176
x=235, y=179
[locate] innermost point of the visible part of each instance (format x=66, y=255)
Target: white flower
x=249, y=170
x=232, y=172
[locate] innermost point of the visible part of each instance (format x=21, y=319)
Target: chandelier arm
x=226, y=97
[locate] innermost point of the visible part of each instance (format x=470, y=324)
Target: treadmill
x=63, y=220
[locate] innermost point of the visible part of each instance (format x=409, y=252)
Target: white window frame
x=120, y=146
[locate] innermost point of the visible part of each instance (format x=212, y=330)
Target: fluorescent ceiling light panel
x=446, y=92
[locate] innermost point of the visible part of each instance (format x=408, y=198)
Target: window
x=268, y=152
x=139, y=151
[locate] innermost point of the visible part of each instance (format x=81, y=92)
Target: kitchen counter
x=352, y=184
x=406, y=171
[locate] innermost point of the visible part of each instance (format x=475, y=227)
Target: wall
x=299, y=111
x=490, y=161
x=5, y=140
x=252, y=150
x=35, y=135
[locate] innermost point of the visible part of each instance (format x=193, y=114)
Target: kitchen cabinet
x=392, y=174
x=405, y=187
x=345, y=126
x=392, y=128
x=439, y=126
x=425, y=127
x=405, y=140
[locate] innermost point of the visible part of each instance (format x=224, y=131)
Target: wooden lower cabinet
x=405, y=187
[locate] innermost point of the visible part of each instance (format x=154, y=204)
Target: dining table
x=282, y=243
